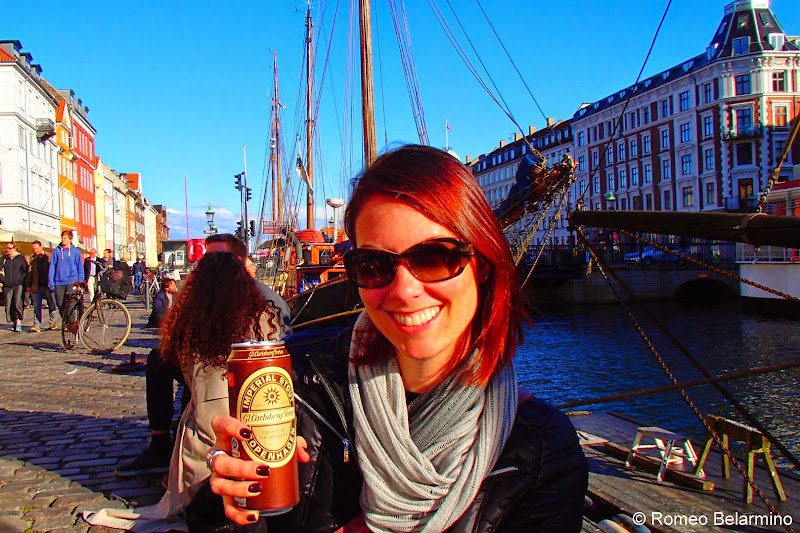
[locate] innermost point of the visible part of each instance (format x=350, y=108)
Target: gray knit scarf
x=423, y=465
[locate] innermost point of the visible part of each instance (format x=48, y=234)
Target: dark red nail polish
x=254, y=487
x=262, y=470
x=252, y=518
x=246, y=433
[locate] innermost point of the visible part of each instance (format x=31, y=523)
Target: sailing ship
x=320, y=295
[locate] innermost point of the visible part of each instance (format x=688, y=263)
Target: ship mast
x=275, y=155
x=309, y=125
x=367, y=105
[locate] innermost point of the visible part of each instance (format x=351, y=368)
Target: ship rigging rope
x=694, y=361
x=607, y=272
x=403, y=36
x=617, y=124
x=380, y=75
x=508, y=55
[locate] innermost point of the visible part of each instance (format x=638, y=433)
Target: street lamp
x=335, y=203
x=212, y=228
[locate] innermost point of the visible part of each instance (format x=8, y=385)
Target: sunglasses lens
x=370, y=269
x=437, y=261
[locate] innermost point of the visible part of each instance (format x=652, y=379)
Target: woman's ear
x=484, y=270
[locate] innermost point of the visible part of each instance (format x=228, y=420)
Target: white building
x=28, y=151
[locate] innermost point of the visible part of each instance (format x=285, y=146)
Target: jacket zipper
x=337, y=403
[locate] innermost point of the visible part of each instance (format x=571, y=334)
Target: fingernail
x=252, y=518
x=254, y=487
x=262, y=470
x=246, y=433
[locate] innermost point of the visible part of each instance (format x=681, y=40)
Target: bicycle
x=102, y=327
x=149, y=289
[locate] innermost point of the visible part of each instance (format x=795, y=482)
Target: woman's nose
x=405, y=286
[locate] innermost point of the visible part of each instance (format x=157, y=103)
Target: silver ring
x=210, y=457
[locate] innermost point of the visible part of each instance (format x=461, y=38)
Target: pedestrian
x=91, y=269
x=426, y=392
x=36, y=284
x=198, y=343
x=65, y=269
x=13, y=271
x=139, y=269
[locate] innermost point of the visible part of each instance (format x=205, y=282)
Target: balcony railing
x=45, y=128
x=744, y=132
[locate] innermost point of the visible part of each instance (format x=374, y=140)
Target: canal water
x=583, y=352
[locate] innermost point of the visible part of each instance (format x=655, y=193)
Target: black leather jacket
x=538, y=484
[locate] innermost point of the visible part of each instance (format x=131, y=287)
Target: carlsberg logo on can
x=266, y=404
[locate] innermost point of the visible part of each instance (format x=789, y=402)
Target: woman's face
x=423, y=320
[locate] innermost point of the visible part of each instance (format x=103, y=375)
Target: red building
x=84, y=164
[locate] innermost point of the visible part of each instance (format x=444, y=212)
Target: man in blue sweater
x=66, y=267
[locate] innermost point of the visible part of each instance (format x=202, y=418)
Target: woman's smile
x=418, y=318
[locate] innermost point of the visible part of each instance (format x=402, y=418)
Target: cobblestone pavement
x=66, y=421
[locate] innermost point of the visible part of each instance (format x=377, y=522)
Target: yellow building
x=66, y=166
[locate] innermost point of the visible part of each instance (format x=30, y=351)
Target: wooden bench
x=673, y=447
x=755, y=443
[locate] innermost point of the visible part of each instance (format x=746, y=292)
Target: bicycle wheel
x=73, y=310
x=105, y=326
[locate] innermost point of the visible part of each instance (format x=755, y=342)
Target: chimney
x=550, y=121
x=517, y=136
x=531, y=130
x=469, y=159
x=502, y=143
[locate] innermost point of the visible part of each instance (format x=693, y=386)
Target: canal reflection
x=578, y=353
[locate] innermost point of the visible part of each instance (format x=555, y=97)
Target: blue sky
x=176, y=89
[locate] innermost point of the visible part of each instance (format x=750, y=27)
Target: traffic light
x=252, y=227
x=239, y=231
x=248, y=195
x=238, y=180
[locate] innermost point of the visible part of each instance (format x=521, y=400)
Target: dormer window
x=741, y=46
x=766, y=20
x=742, y=21
x=777, y=40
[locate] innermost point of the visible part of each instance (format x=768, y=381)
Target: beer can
x=261, y=395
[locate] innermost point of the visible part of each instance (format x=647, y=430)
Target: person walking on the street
x=36, y=284
x=91, y=269
x=13, y=270
x=65, y=268
x=139, y=269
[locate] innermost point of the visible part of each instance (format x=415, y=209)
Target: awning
x=26, y=237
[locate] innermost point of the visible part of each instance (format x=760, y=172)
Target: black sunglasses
x=433, y=260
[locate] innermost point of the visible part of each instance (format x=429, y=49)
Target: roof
x=5, y=56
x=752, y=19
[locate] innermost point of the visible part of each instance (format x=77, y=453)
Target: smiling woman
x=443, y=439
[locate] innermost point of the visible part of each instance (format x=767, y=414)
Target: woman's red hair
x=440, y=187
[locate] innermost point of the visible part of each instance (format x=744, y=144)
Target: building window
x=687, y=196
x=710, y=200
x=743, y=84
x=610, y=155
x=667, y=200
x=780, y=116
x=664, y=108
x=777, y=40
x=648, y=201
x=582, y=163
x=744, y=154
x=634, y=149
x=610, y=181
x=686, y=132
x=779, y=81
x=744, y=119
x=666, y=169
x=595, y=159
x=665, y=139
x=646, y=144
x=623, y=204
x=708, y=126
x=582, y=186
x=708, y=93
x=581, y=138
x=596, y=185
x=684, y=101
x=745, y=189
x=637, y=203
x=709, y=158
x=647, y=171
x=621, y=151
x=686, y=164
x=623, y=179
x=634, y=176
x=646, y=114
x=741, y=45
